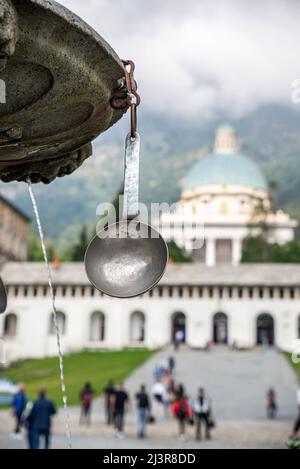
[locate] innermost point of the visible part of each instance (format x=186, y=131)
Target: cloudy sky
x=199, y=57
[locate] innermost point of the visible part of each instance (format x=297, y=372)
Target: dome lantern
x=225, y=142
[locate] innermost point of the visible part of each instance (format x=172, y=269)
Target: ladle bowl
x=127, y=259
x=3, y=297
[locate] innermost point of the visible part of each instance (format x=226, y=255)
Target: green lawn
x=294, y=365
x=95, y=367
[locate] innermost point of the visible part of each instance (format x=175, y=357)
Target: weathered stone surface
x=59, y=76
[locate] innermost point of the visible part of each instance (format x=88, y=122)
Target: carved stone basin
x=57, y=77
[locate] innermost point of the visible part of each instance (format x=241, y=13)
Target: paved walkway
x=237, y=383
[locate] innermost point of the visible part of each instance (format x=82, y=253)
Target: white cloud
x=196, y=58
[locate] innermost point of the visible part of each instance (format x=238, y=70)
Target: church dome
x=225, y=166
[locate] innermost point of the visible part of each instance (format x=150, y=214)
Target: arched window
x=97, y=327
x=137, y=327
x=265, y=329
x=220, y=328
x=10, y=325
x=61, y=322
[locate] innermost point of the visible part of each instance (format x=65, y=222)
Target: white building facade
x=241, y=306
x=214, y=299
x=225, y=198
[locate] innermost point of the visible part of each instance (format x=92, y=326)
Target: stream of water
x=54, y=311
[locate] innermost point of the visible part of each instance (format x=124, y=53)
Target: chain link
x=129, y=94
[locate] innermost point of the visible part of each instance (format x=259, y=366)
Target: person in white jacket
x=202, y=414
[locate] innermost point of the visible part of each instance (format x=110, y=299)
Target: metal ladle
x=3, y=297
x=128, y=258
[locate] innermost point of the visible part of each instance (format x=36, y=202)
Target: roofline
x=15, y=208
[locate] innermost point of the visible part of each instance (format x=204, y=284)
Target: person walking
x=272, y=407
x=109, y=394
x=19, y=405
x=86, y=400
x=39, y=420
x=160, y=399
x=144, y=409
x=178, y=339
x=172, y=365
x=120, y=403
x=202, y=414
x=182, y=412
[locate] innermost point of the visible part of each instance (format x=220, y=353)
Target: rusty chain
x=131, y=95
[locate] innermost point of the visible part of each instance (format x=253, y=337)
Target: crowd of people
x=166, y=399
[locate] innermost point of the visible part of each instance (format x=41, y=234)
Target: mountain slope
x=270, y=135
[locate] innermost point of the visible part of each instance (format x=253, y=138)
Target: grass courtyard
x=296, y=366
x=94, y=367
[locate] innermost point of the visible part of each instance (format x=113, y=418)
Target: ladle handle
x=132, y=177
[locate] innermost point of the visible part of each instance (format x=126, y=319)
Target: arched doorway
x=97, y=327
x=10, y=326
x=265, y=330
x=179, y=325
x=61, y=323
x=220, y=329
x=137, y=327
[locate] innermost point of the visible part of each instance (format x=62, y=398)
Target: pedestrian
x=172, y=365
x=39, y=420
x=120, y=404
x=272, y=407
x=297, y=423
x=86, y=400
x=202, y=414
x=178, y=339
x=109, y=393
x=182, y=412
x=160, y=399
x=144, y=409
x=19, y=405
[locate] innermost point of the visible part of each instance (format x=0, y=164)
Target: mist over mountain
x=270, y=135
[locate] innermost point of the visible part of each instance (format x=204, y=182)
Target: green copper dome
x=225, y=169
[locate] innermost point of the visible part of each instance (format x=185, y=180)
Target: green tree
x=273, y=191
x=77, y=252
x=177, y=254
x=35, y=252
x=257, y=249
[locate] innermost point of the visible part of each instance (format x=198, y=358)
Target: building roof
x=225, y=169
x=26, y=273
x=14, y=208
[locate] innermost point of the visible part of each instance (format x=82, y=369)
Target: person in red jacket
x=182, y=411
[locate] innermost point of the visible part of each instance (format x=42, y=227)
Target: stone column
x=210, y=252
x=236, y=251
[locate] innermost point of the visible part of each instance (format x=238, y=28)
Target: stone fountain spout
x=57, y=81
